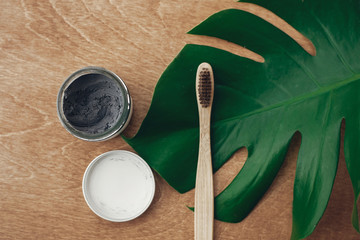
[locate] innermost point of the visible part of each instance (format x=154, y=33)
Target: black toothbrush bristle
x=204, y=87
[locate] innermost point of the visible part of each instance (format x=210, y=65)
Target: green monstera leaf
x=261, y=105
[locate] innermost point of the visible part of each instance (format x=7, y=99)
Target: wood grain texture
x=41, y=165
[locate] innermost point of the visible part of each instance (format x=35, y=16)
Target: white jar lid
x=118, y=186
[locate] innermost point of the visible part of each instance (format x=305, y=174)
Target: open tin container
x=94, y=104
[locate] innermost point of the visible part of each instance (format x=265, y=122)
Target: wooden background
x=41, y=165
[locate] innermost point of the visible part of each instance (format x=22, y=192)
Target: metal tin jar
x=94, y=104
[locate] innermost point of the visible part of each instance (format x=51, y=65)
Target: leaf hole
x=226, y=174
x=281, y=24
x=264, y=14
x=224, y=45
x=340, y=205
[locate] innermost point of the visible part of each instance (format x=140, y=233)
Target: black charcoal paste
x=93, y=103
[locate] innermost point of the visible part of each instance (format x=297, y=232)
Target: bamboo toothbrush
x=204, y=191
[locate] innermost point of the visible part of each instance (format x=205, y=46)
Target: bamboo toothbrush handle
x=204, y=191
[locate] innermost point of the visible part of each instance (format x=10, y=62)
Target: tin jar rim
x=85, y=185
x=120, y=124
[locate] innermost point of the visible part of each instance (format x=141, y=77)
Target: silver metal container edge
x=86, y=193
x=121, y=124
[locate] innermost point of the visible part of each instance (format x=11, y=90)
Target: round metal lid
x=118, y=186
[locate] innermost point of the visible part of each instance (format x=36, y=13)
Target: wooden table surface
x=41, y=165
